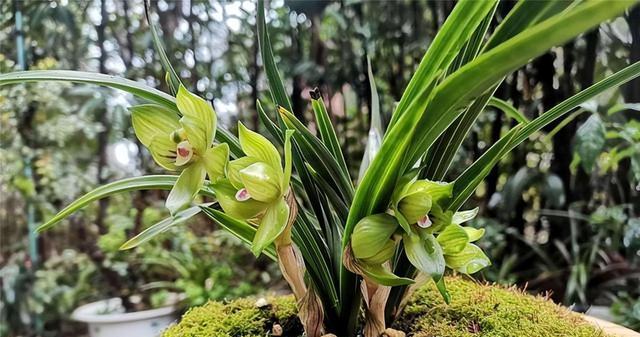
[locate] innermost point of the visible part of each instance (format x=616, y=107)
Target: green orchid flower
x=256, y=185
x=183, y=144
x=460, y=253
x=415, y=201
x=373, y=244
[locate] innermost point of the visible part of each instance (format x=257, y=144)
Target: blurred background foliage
x=561, y=212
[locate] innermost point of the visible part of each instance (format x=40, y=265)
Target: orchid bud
x=383, y=255
x=184, y=153
x=415, y=206
x=371, y=235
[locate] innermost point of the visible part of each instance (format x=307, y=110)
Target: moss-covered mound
x=489, y=311
x=475, y=310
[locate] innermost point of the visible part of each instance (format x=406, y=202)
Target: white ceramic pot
x=107, y=319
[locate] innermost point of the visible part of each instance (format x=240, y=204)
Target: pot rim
x=90, y=313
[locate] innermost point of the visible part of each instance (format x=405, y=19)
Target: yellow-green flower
x=256, y=185
x=183, y=144
x=459, y=251
x=416, y=200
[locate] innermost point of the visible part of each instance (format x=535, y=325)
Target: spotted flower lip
x=243, y=195
x=184, y=153
x=182, y=142
x=424, y=222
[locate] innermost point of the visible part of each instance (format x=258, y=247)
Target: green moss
x=237, y=318
x=476, y=310
x=488, y=311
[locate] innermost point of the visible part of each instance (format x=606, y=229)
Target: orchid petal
x=453, y=239
x=186, y=187
x=184, y=153
x=261, y=180
x=198, y=119
x=153, y=125
x=470, y=260
x=234, y=168
x=425, y=254
x=464, y=216
x=273, y=223
x=255, y=145
x=215, y=161
x=474, y=233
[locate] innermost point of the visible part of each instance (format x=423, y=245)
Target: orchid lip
x=184, y=153
x=243, y=195
x=425, y=222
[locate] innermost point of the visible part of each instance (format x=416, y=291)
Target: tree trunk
x=103, y=119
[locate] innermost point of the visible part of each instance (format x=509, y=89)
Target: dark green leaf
x=590, y=139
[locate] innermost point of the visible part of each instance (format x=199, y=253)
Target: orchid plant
x=344, y=247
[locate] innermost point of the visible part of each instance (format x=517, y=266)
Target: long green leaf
x=523, y=15
x=318, y=262
x=135, y=88
x=440, y=156
x=466, y=183
x=240, y=229
x=327, y=132
x=161, y=227
x=508, y=109
x=173, y=79
x=480, y=75
x=464, y=186
x=336, y=201
x=625, y=75
x=376, y=131
x=473, y=46
x=152, y=182
x=276, y=87
x=317, y=154
x=454, y=34
x=273, y=129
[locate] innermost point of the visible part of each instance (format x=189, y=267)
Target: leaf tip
x=315, y=93
x=127, y=245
